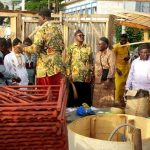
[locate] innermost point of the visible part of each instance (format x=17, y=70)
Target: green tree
x=134, y=35
x=37, y=5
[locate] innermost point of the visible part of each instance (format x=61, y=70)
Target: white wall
x=80, y=5
x=113, y=6
x=7, y=2
x=143, y=7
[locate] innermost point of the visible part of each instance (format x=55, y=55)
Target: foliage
x=37, y=5
x=2, y=7
x=134, y=35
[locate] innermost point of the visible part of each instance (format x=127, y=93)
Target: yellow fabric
x=120, y=82
x=121, y=52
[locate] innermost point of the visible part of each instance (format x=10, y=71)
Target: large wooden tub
x=92, y=132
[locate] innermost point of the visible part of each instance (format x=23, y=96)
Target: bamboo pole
x=146, y=35
x=137, y=140
x=13, y=26
x=136, y=43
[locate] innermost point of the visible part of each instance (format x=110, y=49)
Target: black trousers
x=84, y=94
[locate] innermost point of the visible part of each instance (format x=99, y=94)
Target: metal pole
x=23, y=5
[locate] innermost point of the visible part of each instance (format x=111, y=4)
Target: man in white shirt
x=139, y=75
x=137, y=100
x=14, y=62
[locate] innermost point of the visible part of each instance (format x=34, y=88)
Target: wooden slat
x=146, y=35
x=131, y=24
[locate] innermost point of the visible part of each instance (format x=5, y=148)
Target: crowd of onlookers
x=16, y=66
x=110, y=70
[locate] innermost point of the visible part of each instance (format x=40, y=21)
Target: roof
x=133, y=19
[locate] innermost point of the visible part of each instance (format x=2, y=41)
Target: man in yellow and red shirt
x=48, y=45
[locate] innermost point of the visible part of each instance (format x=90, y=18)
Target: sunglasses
x=81, y=35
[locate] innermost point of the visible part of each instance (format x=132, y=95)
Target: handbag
x=104, y=72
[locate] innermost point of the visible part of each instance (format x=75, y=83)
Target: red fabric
x=49, y=80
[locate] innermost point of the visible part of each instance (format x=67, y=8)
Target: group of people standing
x=108, y=73
x=16, y=66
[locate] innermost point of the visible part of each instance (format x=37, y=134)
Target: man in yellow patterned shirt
x=48, y=45
x=79, y=69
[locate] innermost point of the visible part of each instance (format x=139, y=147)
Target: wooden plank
x=95, y=30
x=146, y=35
x=13, y=27
x=139, y=13
x=66, y=33
x=137, y=139
x=23, y=30
x=92, y=129
x=136, y=43
x=4, y=14
x=86, y=15
x=109, y=28
x=86, y=21
x=131, y=24
x=31, y=20
x=10, y=13
x=19, y=26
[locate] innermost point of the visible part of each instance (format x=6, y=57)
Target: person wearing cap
x=122, y=67
x=79, y=70
x=104, y=74
x=48, y=45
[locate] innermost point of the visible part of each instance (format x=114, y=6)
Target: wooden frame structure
x=16, y=20
x=93, y=26
x=135, y=20
x=24, y=23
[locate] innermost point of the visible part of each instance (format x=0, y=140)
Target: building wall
x=107, y=7
x=17, y=4
x=84, y=7
x=7, y=2
x=143, y=6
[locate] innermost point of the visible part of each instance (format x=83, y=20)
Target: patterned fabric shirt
x=79, y=62
x=49, y=45
x=104, y=60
